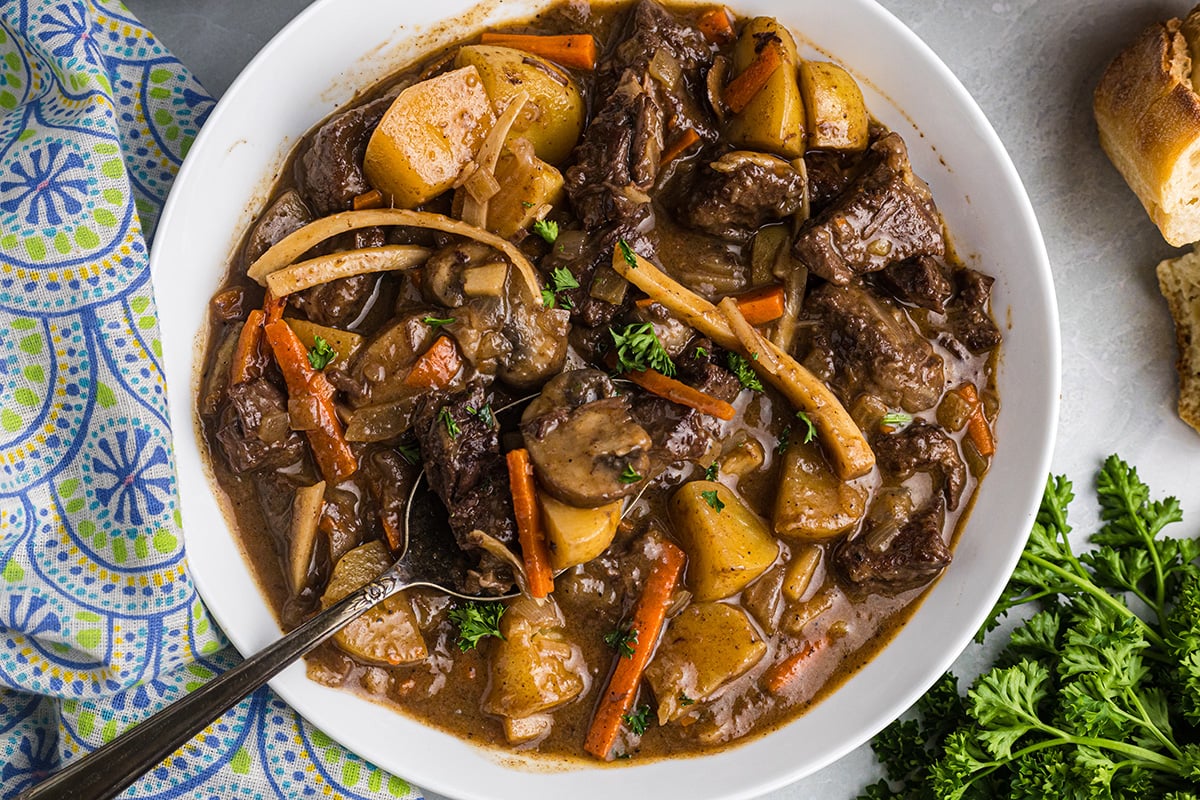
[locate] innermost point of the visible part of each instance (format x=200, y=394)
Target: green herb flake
x=622, y=641
x=451, y=426
x=712, y=472
x=320, y=354
x=548, y=298
x=685, y=701
x=483, y=414
x=785, y=440
x=810, y=430
x=639, y=349
x=437, y=322
x=410, y=453
x=547, y=229
x=476, y=621
x=561, y=279
x=896, y=419
x=627, y=253
x=526, y=204
x=638, y=721
x=630, y=475
x=745, y=373
x=701, y=352
x=713, y=499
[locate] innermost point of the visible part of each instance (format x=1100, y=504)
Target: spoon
x=108, y=770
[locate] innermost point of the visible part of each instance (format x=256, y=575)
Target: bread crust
x=1148, y=115
x=1179, y=282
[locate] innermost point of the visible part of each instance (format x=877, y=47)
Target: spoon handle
x=106, y=771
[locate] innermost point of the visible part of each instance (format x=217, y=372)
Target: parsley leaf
x=622, y=640
x=810, y=430
x=638, y=721
x=547, y=229
x=410, y=453
x=896, y=419
x=476, y=621
x=629, y=475
x=701, y=352
x=561, y=279
x=320, y=354
x=483, y=414
x=437, y=322
x=627, y=253
x=712, y=472
x=713, y=499
x=785, y=440
x=639, y=349
x=447, y=420
x=745, y=373
x=684, y=700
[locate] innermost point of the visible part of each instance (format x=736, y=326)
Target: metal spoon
x=424, y=562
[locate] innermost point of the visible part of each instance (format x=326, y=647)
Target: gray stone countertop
x=1031, y=65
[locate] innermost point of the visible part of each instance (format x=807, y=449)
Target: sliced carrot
x=685, y=140
x=655, y=382
x=649, y=616
x=742, y=89
x=247, y=355
x=760, y=306
x=779, y=676
x=716, y=25
x=978, y=430
x=371, y=199
x=529, y=524
x=273, y=306
x=570, y=50
x=436, y=367
x=330, y=449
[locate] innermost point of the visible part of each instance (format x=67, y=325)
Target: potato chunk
x=577, y=535
x=426, y=137
x=552, y=119
x=534, y=668
x=388, y=633
x=526, y=184
x=704, y=648
x=833, y=102
x=813, y=504
x=773, y=120
x=727, y=544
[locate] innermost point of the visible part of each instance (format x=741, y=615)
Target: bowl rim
x=315, y=702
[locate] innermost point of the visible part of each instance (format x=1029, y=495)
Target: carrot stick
x=977, y=426
x=716, y=25
x=570, y=50
x=781, y=674
x=678, y=392
x=685, y=140
x=742, y=89
x=273, y=306
x=649, y=616
x=247, y=355
x=436, y=366
x=529, y=524
x=371, y=199
x=761, y=306
x=330, y=449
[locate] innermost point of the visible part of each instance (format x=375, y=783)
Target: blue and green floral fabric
x=99, y=622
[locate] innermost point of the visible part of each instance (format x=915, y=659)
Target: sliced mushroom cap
x=588, y=455
x=539, y=341
x=569, y=390
x=443, y=278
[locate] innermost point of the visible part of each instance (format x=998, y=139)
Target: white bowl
x=337, y=47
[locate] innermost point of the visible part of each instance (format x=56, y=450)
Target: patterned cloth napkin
x=99, y=622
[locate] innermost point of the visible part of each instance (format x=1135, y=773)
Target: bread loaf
x=1148, y=114
x=1179, y=281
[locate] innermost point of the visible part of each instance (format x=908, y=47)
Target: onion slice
x=323, y=269
x=306, y=514
x=474, y=210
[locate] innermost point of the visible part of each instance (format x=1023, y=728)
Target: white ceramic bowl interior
x=337, y=47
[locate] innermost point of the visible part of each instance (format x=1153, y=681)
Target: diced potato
x=521, y=730
x=388, y=633
x=344, y=343
x=833, y=102
x=526, y=184
x=534, y=668
x=800, y=571
x=813, y=504
x=727, y=544
x=552, y=119
x=577, y=535
x=773, y=121
x=306, y=513
x=430, y=132
x=486, y=280
x=743, y=458
x=799, y=615
x=764, y=598
x=704, y=648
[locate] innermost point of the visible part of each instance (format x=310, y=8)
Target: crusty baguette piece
x=1148, y=114
x=1179, y=281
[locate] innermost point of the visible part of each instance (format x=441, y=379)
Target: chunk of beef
x=588, y=311
x=920, y=281
x=890, y=558
x=829, y=173
x=886, y=215
x=389, y=478
x=617, y=159
x=329, y=173
x=288, y=213
x=867, y=345
x=340, y=302
x=740, y=192
x=253, y=428
x=923, y=447
x=971, y=321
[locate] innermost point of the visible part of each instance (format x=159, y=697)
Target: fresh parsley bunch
x=1091, y=698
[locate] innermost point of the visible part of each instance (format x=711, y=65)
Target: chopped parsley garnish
x=483, y=414
x=810, y=430
x=713, y=499
x=447, y=420
x=638, y=721
x=684, y=700
x=476, y=621
x=410, y=453
x=639, y=349
x=745, y=373
x=526, y=204
x=896, y=419
x=713, y=471
x=622, y=640
x=630, y=475
x=320, y=354
x=547, y=229
x=785, y=440
x=701, y=352
x=561, y=279
x=627, y=253
x=437, y=322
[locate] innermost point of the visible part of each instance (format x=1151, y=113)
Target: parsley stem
x=1146, y=758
